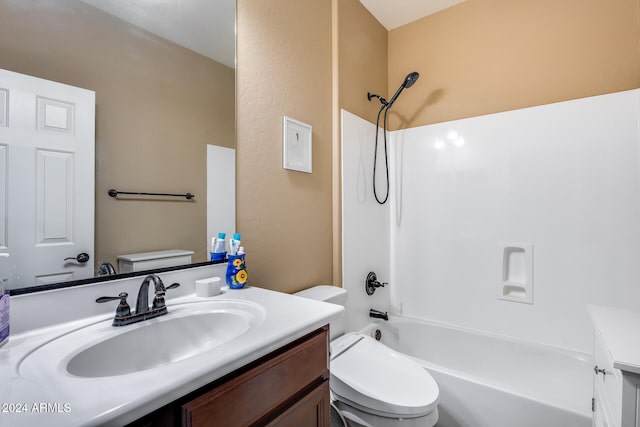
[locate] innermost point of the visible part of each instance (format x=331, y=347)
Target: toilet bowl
x=372, y=384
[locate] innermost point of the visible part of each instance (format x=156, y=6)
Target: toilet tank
x=333, y=295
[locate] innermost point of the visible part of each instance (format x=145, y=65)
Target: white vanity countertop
x=65, y=400
x=620, y=330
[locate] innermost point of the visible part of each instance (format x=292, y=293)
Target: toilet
x=372, y=384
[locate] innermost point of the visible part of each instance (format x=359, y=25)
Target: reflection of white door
x=221, y=192
x=46, y=178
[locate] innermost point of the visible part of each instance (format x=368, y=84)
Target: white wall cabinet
x=616, y=372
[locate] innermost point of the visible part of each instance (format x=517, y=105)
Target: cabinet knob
x=599, y=371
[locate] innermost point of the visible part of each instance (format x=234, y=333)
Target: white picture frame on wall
x=296, y=145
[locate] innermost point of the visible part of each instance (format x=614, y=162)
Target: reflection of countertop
x=59, y=399
x=619, y=328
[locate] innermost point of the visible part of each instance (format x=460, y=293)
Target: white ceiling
x=205, y=26
x=396, y=13
x=208, y=26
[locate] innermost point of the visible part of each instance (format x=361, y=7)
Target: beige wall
x=486, y=56
x=158, y=105
x=362, y=59
x=284, y=68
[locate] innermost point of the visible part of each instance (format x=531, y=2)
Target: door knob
x=82, y=258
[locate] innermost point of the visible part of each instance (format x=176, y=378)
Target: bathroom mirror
x=164, y=80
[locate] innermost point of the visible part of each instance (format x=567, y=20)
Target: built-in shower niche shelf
x=516, y=272
x=511, y=290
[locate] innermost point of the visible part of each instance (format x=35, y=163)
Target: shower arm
x=370, y=96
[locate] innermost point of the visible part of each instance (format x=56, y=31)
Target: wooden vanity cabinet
x=288, y=387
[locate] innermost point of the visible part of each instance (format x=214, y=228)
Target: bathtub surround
x=480, y=57
x=365, y=231
x=563, y=177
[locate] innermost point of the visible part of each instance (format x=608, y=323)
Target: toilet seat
x=376, y=379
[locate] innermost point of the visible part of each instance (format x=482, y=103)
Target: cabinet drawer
x=609, y=383
x=263, y=390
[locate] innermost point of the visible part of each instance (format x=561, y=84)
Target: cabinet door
x=311, y=411
x=263, y=392
x=600, y=418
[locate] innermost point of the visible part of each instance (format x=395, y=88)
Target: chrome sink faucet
x=143, y=312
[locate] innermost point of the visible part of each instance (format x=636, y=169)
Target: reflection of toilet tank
x=333, y=295
x=151, y=260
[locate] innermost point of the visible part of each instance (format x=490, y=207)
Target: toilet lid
x=376, y=379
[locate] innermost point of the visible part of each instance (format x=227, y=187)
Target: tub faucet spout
x=377, y=314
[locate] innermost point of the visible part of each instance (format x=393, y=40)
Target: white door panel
x=3, y=197
x=54, y=197
x=49, y=168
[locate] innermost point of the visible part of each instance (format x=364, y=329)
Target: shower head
x=408, y=82
x=411, y=79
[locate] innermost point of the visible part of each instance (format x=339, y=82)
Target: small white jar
x=208, y=287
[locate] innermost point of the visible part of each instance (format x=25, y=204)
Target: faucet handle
x=121, y=296
x=158, y=300
x=173, y=286
x=372, y=283
x=123, y=308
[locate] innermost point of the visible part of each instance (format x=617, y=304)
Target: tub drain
x=378, y=335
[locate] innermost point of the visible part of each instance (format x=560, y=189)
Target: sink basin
x=188, y=330
x=158, y=344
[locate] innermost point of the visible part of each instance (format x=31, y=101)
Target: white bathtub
x=492, y=381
